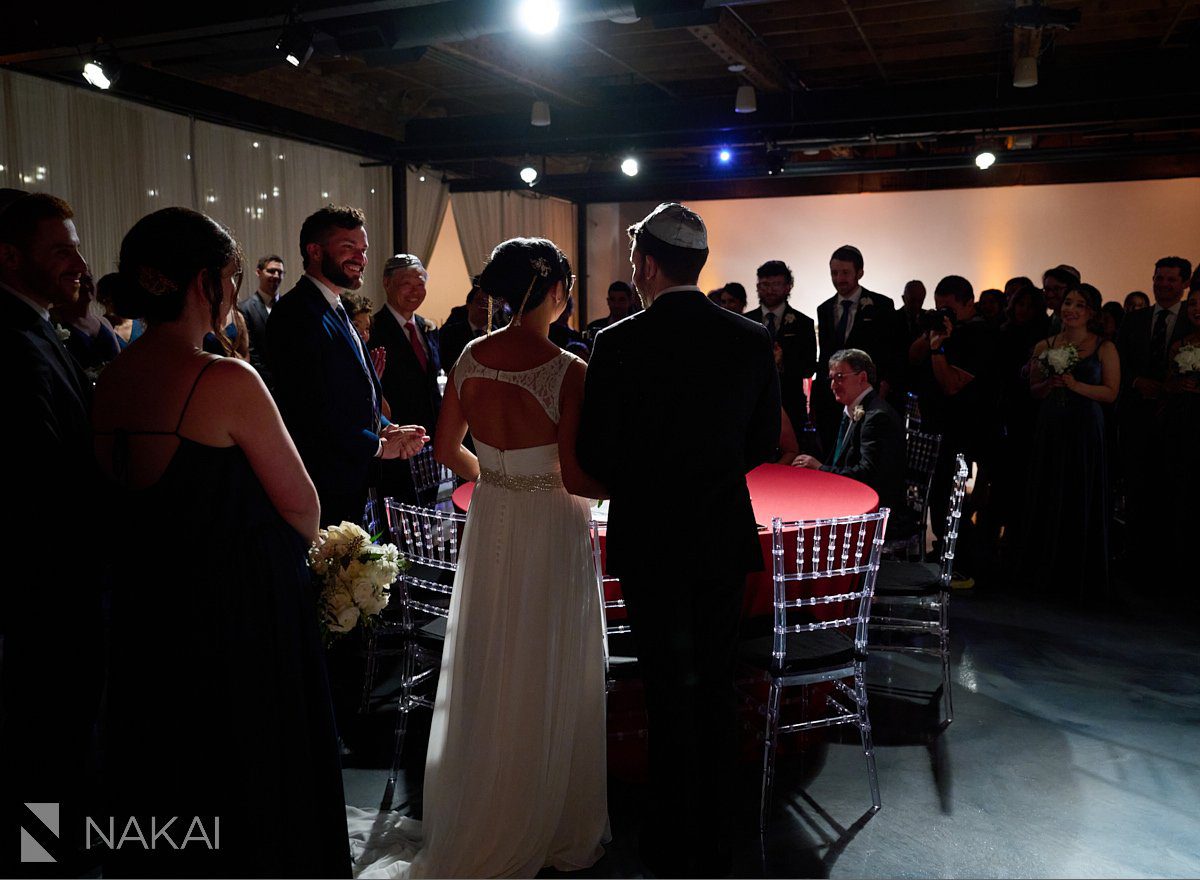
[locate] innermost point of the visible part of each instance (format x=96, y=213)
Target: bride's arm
x=575, y=479
x=448, y=438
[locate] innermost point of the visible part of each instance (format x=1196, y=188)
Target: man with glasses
x=793, y=335
x=869, y=444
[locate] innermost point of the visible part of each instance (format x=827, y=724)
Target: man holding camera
x=953, y=362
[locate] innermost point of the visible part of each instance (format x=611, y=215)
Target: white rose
x=344, y=620
x=376, y=604
x=363, y=591
x=1059, y=359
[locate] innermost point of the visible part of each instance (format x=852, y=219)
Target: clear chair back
x=432, y=481
x=957, y=492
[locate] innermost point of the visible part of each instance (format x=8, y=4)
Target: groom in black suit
x=681, y=401
x=50, y=620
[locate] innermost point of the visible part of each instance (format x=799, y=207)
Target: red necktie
x=418, y=348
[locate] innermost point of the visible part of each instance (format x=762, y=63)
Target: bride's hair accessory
x=155, y=282
x=540, y=266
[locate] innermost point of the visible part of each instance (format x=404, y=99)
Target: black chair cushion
x=908, y=579
x=804, y=652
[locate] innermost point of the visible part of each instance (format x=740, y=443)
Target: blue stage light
x=725, y=156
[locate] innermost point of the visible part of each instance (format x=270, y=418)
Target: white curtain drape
x=427, y=195
x=115, y=161
x=485, y=219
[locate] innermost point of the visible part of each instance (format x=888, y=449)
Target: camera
x=933, y=320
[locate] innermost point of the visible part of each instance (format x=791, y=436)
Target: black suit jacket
x=453, y=338
x=1133, y=344
x=797, y=339
x=49, y=605
x=324, y=393
x=874, y=453
x=681, y=401
x=256, y=316
x=411, y=393
x=874, y=323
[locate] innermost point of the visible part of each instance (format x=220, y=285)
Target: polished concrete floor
x=1073, y=753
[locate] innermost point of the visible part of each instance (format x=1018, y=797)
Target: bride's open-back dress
x=515, y=774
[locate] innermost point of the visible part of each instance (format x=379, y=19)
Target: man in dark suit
x=50, y=620
x=682, y=400
x=412, y=363
x=1144, y=343
x=853, y=317
x=327, y=392
x=620, y=301
x=869, y=445
x=257, y=307
x=793, y=334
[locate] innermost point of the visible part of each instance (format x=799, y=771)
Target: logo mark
x=31, y=850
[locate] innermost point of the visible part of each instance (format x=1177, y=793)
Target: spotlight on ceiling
x=745, y=102
x=985, y=159
x=724, y=156
x=295, y=42
x=96, y=75
x=776, y=161
x=629, y=166
x=538, y=16
x=529, y=175
x=540, y=115
x=1025, y=73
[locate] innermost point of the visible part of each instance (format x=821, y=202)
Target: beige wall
x=1112, y=232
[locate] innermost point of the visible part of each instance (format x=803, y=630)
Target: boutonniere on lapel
x=789, y=318
x=856, y=414
x=63, y=333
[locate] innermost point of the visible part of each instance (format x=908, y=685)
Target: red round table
x=776, y=490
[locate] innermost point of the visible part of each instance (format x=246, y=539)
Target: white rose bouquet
x=1187, y=361
x=1060, y=360
x=354, y=574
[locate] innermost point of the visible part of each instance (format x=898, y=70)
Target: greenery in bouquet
x=1060, y=360
x=354, y=575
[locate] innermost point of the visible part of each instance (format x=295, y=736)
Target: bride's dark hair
x=160, y=256
x=522, y=271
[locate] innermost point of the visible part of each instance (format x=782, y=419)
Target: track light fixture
x=102, y=73
x=746, y=101
x=629, y=166
x=985, y=159
x=529, y=174
x=540, y=114
x=295, y=41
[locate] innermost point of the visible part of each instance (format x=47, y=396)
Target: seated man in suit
x=465, y=323
x=256, y=308
x=870, y=443
x=793, y=334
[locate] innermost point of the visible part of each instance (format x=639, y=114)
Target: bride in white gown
x=515, y=774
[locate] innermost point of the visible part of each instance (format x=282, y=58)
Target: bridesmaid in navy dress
x=218, y=701
x=1065, y=538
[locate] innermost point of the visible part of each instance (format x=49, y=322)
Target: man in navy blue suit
x=325, y=386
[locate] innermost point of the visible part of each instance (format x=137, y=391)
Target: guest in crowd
x=358, y=310
x=93, y=342
x=218, y=701
x=234, y=341
x=1014, y=285
x=1065, y=538
x=1055, y=284
x=853, y=317
x=620, y=301
x=733, y=297
x=992, y=305
x=870, y=443
x=50, y=614
x=956, y=383
x=714, y=296
x=256, y=308
x=1027, y=325
x=793, y=334
x=412, y=362
x=562, y=333
x=1145, y=342
x=1111, y=316
x=906, y=327
x=1181, y=426
x=466, y=322
x=698, y=371
x=1136, y=300
x=125, y=329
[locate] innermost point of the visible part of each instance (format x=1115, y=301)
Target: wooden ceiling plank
x=734, y=43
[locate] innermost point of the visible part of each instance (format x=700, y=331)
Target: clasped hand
x=402, y=441
x=805, y=461
x=1066, y=380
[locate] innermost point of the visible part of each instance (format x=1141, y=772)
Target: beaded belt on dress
x=521, y=482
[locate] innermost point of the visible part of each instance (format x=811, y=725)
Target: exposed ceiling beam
x=487, y=55
x=866, y=42
x=734, y=43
